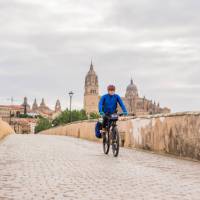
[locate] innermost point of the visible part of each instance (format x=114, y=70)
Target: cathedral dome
x=131, y=90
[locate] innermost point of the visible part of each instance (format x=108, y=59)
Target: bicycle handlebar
x=119, y=114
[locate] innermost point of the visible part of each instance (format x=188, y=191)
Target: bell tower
x=35, y=106
x=58, y=106
x=91, y=95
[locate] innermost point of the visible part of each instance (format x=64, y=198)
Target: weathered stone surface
x=177, y=133
x=5, y=129
x=44, y=167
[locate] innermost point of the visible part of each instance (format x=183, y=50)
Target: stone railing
x=177, y=134
x=5, y=129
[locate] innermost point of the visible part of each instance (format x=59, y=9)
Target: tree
x=64, y=117
x=94, y=116
x=24, y=116
x=42, y=125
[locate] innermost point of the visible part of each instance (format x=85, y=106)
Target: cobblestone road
x=58, y=167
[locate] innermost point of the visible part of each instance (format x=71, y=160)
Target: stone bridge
x=177, y=134
x=59, y=167
x=5, y=129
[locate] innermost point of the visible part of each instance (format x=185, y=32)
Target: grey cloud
x=46, y=47
x=156, y=13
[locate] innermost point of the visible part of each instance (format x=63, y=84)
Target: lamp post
x=10, y=117
x=70, y=107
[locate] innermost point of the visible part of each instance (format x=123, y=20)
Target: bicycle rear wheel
x=115, y=141
x=106, y=142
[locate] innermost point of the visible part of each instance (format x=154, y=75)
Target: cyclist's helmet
x=111, y=87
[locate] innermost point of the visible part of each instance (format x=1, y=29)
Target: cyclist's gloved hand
x=102, y=113
x=125, y=113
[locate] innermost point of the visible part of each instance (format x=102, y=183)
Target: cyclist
x=108, y=105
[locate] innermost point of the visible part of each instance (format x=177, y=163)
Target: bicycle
x=111, y=135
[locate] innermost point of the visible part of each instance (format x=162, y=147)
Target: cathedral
x=135, y=104
x=42, y=109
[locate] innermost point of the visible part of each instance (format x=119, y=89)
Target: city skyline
x=18, y=101
x=46, y=48
x=78, y=100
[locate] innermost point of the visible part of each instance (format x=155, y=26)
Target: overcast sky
x=46, y=47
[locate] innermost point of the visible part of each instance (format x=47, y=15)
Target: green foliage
x=42, y=124
x=64, y=117
x=24, y=116
x=94, y=116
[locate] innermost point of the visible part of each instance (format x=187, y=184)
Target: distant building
x=12, y=114
x=58, y=106
x=26, y=106
x=15, y=110
x=24, y=125
x=91, y=94
x=140, y=105
x=35, y=106
x=45, y=111
x=135, y=104
x=9, y=111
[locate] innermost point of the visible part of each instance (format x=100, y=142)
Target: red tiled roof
x=12, y=106
x=25, y=120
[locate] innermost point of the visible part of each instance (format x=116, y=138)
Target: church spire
x=58, y=106
x=35, y=105
x=42, y=103
x=131, y=81
x=35, y=101
x=91, y=66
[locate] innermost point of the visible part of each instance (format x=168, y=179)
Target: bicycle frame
x=111, y=135
x=112, y=122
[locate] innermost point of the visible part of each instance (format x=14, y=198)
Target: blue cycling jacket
x=108, y=104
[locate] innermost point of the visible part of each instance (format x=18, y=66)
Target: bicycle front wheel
x=115, y=141
x=106, y=143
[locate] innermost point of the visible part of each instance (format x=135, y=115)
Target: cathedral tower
x=91, y=95
x=58, y=106
x=35, y=105
x=42, y=104
x=26, y=105
x=43, y=108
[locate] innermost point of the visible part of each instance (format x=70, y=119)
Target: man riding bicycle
x=108, y=105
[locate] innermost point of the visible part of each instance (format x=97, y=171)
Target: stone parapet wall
x=177, y=133
x=5, y=129
x=84, y=129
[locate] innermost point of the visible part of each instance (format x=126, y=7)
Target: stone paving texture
x=60, y=167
